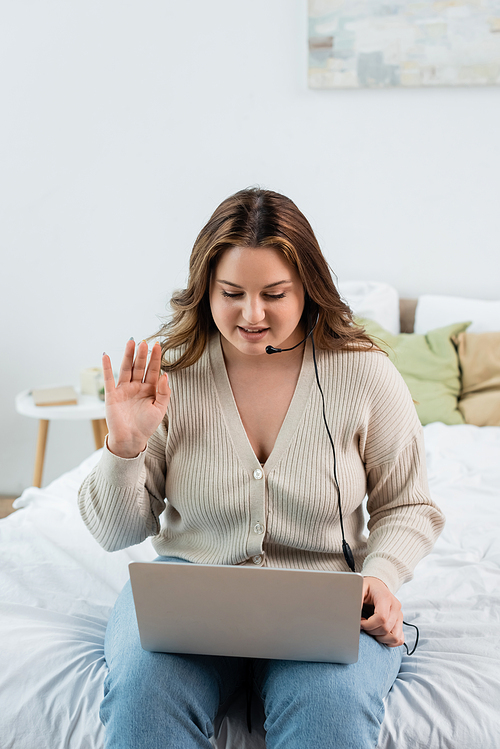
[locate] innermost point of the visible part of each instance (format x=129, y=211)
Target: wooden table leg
x=43, y=428
x=100, y=431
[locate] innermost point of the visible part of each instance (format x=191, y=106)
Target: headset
x=346, y=549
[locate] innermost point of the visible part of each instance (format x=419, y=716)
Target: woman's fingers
x=133, y=370
x=382, y=623
x=395, y=637
x=163, y=391
x=390, y=633
x=107, y=371
x=153, y=371
x=139, y=364
x=127, y=363
x=397, y=631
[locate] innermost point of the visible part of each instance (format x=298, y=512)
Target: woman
x=235, y=439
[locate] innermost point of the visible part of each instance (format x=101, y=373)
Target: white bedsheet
x=57, y=587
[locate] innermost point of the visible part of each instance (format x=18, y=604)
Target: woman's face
x=257, y=299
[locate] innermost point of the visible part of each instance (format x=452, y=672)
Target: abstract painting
x=395, y=43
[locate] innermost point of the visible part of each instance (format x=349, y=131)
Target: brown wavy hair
x=258, y=218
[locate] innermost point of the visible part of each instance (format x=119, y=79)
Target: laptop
x=253, y=612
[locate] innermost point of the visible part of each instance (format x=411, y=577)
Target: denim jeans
x=160, y=700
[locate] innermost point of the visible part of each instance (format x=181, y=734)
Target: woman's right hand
x=136, y=405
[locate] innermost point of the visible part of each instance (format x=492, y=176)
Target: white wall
x=125, y=123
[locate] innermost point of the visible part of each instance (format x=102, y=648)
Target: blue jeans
x=160, y=700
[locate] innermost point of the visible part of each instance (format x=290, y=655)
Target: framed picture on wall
x=396, y=43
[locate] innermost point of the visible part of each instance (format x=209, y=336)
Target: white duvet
x=57, y=587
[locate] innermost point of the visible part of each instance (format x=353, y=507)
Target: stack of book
x=60, y=396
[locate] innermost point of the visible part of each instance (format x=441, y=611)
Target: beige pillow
x=479, y=356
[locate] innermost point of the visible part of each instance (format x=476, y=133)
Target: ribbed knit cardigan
x=223, y=507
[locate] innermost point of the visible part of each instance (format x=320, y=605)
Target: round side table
x=88, y=407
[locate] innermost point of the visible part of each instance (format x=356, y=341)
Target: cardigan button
x=258, y=528
x=257, y=474
x=257, y=559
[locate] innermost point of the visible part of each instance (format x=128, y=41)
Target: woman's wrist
x=122, y=450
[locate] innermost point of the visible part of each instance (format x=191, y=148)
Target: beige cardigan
x=225, y=508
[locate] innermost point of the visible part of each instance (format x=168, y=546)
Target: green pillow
x=429, y=366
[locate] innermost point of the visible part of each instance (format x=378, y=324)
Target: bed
x=57, y=588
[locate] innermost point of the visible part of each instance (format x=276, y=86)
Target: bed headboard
x=407, y=309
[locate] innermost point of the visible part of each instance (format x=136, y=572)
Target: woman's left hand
x=385, y=624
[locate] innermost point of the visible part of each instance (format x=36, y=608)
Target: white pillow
x=374, y=300
x=438, y=311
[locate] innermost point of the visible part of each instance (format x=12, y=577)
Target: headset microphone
x=273, y=350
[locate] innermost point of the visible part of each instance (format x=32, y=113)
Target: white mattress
x=57, y=587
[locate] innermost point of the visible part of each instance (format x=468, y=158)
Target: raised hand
x=136, y=405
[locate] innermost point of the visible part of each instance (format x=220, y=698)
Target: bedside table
x=88, y=407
